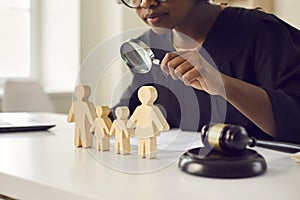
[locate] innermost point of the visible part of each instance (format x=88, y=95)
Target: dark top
x=250, y=45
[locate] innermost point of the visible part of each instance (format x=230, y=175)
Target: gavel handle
x=277, y=146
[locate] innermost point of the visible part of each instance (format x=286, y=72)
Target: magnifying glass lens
x=136, y=57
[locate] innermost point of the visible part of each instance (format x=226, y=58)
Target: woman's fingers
x=195, y=79
x=183, y=68
x=193, y=70
x=187, y=66
x=170, y=62
x=164, y=63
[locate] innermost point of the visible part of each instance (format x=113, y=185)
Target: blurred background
x=45, y=42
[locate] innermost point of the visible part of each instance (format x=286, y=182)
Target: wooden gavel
x=228, y=138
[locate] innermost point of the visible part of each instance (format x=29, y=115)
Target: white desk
x=46, y=165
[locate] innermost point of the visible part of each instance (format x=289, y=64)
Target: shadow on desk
x=3, y=197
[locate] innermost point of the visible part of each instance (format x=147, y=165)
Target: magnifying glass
x=139, y=57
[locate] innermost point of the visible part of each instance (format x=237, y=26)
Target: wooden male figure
x=102, y=125
x=82, y=112
x=148, y=122
x=120, y=130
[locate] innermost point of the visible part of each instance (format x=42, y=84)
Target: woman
x=253, y=63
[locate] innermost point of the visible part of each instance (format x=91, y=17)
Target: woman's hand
x=193, y=70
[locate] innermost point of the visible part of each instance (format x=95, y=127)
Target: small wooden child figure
x=121, y=132
x=82, y=112
x=102, y=125
x=148, y=122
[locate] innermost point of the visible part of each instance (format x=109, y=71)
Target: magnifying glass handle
x=156, y=61
x=159, y=55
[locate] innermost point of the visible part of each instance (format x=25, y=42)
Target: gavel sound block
x=218, y=160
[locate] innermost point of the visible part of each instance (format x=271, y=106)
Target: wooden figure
x=296, y=157
x=102, y=125
x=148, y=122
x=121, y=132
x=82, y=112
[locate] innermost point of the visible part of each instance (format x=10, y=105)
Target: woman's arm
x=250, y=100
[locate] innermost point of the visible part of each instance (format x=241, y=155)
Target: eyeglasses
x=136, y=3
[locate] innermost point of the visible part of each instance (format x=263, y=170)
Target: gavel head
x=225, y=137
